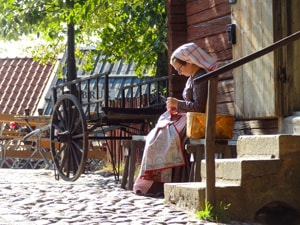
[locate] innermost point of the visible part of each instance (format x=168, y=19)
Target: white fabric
x=163, y=146
x=163, y=151
x=192, y=53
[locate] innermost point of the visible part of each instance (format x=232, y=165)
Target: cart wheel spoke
x=76, y=156
x=78, y=147
x=75, y=124
x=59, y=153
x=61, y=115
x=69, y=137
x=77, y=136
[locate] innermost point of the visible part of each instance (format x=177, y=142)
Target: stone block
x=267, y=146
x=265, y=172
x=291, y=124
x=191, y=197
x=186, y=196
x=237, y=170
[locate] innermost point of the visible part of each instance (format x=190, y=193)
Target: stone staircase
x=265, y=174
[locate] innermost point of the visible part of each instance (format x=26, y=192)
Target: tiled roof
x=22, y=82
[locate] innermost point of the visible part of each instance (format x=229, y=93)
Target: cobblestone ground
x=34, y=197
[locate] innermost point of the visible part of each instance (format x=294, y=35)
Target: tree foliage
x=141, y=26
x=134, y=31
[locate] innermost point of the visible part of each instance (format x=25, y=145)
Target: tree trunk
x=71, y=62
x=162, y=64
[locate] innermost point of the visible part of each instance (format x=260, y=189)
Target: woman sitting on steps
x=164, y=159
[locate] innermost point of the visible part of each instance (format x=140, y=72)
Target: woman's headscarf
x=192, y=53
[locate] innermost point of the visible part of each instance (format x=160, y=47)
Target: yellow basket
x=196, y=124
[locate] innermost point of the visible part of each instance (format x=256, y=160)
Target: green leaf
x=135, y=31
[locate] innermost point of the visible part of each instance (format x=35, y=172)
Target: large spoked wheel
x=69, y=137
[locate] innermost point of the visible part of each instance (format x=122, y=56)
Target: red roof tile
x=22, y=82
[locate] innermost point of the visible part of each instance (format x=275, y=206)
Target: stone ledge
x=235, y=170
x=191, y=196
x=270, y=146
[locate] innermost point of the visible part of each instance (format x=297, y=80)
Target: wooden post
x=210, y=142
x=106, y=90
x=126, y=146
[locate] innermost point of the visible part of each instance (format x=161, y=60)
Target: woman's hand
x=172, y=104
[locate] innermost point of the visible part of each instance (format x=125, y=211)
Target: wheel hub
x=64, y=137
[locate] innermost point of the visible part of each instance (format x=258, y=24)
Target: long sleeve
x=194, y=95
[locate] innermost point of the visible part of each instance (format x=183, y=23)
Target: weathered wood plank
x=255, y=82
x=6, y=118
x=203, y=11
x=25, y=154
x=255, y=127
x=210, y=142
x=97, y=155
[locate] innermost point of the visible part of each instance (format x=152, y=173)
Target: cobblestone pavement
x=34, y=197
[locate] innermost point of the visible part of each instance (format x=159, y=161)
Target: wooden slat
x=97, y=155
x=25, y=154
x=255, y=80
x=45, y=143
x=6, y=118
x=34, y=120
x=13, y=133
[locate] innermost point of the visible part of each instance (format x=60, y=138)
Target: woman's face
x=182, y=69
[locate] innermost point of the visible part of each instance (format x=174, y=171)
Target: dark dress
x=194, y=100
x=194, y=95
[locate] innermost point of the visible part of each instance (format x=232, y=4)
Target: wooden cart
x=84, y=109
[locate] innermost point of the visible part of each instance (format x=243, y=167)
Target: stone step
x=266, y=171
x=191, y=196
x=267, y=146
x=235, y=171
x=246, y=184
x=291, y=124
